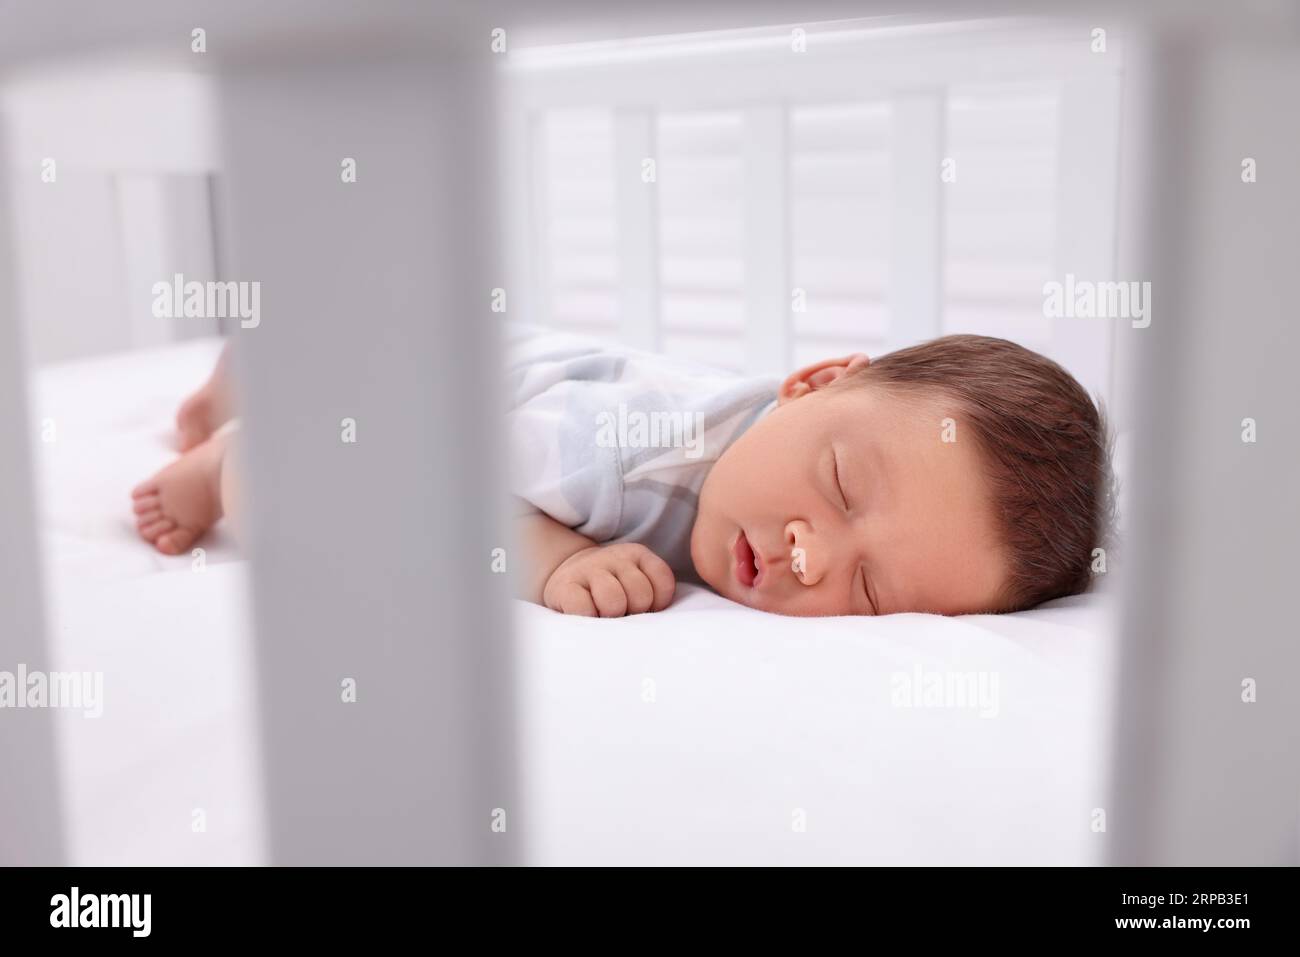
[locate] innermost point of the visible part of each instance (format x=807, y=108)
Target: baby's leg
x=211, y=407
x=231, y=497
x=177, y=505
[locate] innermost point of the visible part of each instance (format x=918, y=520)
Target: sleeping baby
x=962, y=475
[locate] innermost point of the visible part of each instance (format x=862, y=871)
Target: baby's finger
x=573, y=598
x=661, y=577
x=640, y=593
x=611, y=600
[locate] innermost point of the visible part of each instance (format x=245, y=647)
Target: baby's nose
x=806, y=561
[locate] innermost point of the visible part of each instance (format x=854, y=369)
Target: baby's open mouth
x=749, y=567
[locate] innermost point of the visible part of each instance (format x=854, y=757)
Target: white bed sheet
x=177, y=731
x=755, y=723
x=749, y=724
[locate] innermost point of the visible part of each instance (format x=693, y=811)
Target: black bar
x=333, y=905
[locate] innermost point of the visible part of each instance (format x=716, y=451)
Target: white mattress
x=709, y=733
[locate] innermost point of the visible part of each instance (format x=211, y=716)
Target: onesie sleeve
x=558, y=466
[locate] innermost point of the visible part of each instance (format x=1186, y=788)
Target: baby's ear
x=819, y=375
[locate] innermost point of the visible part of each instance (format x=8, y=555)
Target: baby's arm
x=570, y=573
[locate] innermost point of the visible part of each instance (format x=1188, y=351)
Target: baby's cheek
x=701, y=553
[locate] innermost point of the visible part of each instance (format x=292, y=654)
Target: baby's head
x=966, y=474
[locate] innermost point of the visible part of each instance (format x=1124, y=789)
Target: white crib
x=378, y=308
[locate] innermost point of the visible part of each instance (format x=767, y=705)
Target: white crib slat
x=375, y=312
x=166, y=228
x=636, y=202
x=916, y=274
x=141, y=215
x=1085, y=218
x=767, y=261
x=519, y=217
x=31, y=832
x=539, y=290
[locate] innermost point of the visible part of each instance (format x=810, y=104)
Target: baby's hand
x=610, y=581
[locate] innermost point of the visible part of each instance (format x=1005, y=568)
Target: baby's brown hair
x=1046, y=450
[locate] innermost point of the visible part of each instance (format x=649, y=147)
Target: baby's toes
x=177, y=540
x=147, y=488
x=156, y=527
x=146, y=504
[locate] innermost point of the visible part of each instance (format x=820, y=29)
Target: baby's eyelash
x=866, y=590
x=835, y=470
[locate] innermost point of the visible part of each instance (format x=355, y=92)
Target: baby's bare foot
x=175, y=507
x=207, y=409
